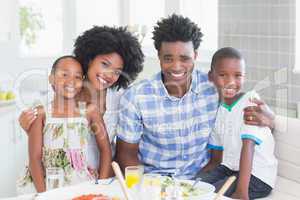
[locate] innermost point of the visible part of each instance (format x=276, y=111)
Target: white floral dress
x=64, y=146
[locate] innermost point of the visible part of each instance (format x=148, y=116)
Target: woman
x=111, y=58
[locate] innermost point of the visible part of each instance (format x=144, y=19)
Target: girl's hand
x=96, y=120
x=27, y=117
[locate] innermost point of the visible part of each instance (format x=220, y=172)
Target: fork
x=108, y=182
x=182, y=168
x=194, y=184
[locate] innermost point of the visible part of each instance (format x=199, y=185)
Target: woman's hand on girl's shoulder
x=27, y=117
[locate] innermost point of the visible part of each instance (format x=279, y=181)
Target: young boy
x=238, y=149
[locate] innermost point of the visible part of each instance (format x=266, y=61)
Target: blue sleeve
x=130, y=127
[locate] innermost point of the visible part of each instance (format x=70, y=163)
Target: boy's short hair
x=54, y=66
x=176, y=28
x=226, y=52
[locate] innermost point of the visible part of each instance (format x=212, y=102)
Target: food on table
x=10, y=95
x=95, y=197
x=185, y=188
x=6, y=96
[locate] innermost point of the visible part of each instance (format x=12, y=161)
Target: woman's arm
x=102, y=139
x=246, y=160
x=35, y=145
x=27, y=118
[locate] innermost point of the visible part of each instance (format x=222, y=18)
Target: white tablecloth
x=70, y=192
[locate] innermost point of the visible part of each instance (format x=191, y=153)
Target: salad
x=185, y=189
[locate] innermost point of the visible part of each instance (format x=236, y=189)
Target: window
x=95, y=12
x=151, y=12
x=41, y=28
x=49, y=28
x=205, y=14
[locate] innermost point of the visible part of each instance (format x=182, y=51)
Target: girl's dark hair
x=176, y=28
x=101, y=40
x=54, y=65
x=225, y=52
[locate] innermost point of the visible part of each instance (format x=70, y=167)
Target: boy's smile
x=228, y=76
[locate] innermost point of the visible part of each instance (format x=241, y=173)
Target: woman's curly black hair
x=176, y=28
x=104, y=40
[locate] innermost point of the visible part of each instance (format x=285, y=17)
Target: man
x=165, y=122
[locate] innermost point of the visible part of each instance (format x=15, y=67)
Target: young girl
x=58, y=136
x=244, y=151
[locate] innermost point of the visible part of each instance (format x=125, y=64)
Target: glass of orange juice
x=133, y=175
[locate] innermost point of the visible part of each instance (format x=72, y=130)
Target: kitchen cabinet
x=13, y=151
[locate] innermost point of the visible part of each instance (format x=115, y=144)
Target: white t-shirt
x=111, y=120
x=228, y=133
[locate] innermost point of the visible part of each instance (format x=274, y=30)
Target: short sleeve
x=255, y=133
x=130, y=127
x=215, y=141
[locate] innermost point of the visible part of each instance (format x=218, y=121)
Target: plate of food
x=185, y=189
x=94, y=197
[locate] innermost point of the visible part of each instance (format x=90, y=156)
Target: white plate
x=7, y=102
x=208, y=190
x=89, y=187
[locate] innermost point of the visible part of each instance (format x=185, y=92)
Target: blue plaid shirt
x=172, y=132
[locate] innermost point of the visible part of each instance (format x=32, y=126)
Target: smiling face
x=67, y=78
x=105, y=70
x=228, y=77
x=177, y=61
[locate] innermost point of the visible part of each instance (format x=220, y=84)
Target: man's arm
x=260, y=115
x=126, y=154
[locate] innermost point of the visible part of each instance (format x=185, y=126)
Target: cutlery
x=121, y=180
x=194, y=184
x=225, y=187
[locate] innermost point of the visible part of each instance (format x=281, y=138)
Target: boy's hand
x=259, y=115
x=239, y=195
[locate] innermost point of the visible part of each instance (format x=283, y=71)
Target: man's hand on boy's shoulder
x=260, y=115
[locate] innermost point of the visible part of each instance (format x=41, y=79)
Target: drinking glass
x=133, y=175
x=54, y=178
x=151, y=187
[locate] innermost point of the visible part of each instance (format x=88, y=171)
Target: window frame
x=69, y=29
x=296, y=68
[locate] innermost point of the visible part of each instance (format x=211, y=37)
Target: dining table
x=109, y=187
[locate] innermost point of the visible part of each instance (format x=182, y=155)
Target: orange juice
x=132, y=179
x=133, y=175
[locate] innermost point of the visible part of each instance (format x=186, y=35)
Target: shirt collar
x=162, y=90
